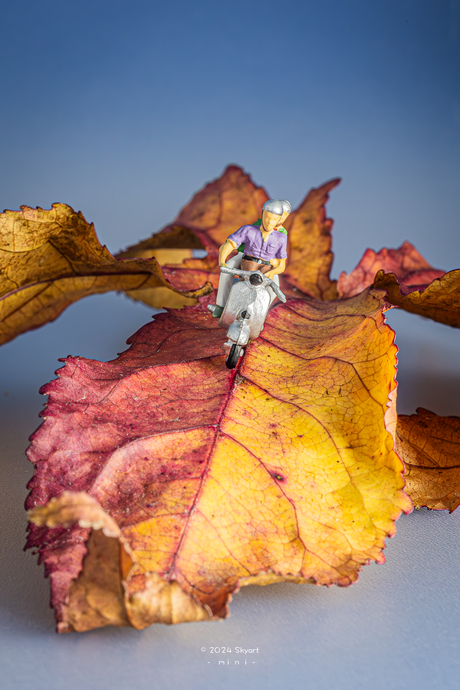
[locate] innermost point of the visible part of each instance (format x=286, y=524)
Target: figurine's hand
x=223, y=264
x=270, y=274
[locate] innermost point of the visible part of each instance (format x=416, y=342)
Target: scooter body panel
x=244, y=297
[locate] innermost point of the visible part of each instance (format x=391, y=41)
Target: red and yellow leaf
x=410, y=282
x=283, y=469
x=51, y=258
x=429, y=445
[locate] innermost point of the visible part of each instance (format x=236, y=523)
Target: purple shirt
x=273, y=248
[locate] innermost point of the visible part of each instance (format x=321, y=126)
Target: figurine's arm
x=279, y=266
x=226, y=249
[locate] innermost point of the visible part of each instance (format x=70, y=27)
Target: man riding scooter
x=264, y=249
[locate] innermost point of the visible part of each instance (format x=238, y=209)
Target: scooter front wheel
x=233, y=357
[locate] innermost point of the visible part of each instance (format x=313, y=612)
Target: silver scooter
x=245, y=310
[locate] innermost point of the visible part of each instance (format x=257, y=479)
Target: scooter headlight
x=256, y=279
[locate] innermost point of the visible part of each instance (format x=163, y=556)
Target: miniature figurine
x=243, y=305
x=261, y=246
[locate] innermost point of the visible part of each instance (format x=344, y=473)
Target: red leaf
x=411, y=269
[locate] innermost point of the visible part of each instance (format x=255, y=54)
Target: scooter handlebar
x=233, y=271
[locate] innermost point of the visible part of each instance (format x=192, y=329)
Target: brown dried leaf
x=430, y=448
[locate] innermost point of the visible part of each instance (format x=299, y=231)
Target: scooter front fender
x=239, y=332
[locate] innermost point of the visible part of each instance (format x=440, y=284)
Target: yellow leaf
x=439, y=301
x=51, y=258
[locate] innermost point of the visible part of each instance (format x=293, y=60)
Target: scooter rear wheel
x=233, y=357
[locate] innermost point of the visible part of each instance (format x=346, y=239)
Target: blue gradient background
x=124, y=110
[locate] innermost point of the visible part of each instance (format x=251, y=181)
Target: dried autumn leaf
x=429, y=445
x=439, y=301
x=71, y=508
x=51, y=258
x=281, y=470
x=209, y=218
x=410, y=282
x=310, y=255
x=406, y=263
x=204, y=223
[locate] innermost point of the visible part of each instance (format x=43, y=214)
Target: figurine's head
x=286, y=209
x=274, y=213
